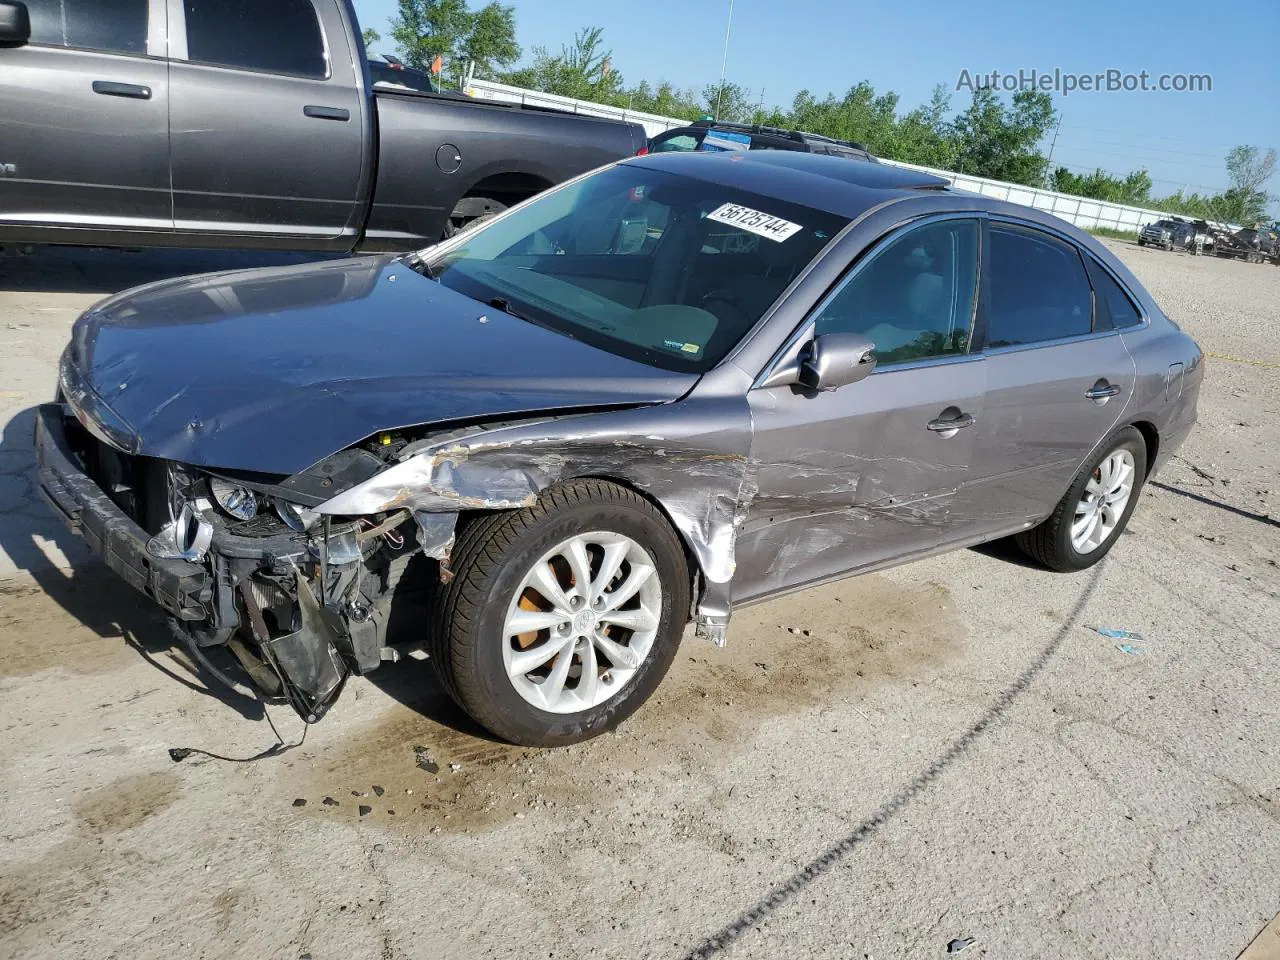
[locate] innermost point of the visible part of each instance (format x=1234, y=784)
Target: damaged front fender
x=689, y=457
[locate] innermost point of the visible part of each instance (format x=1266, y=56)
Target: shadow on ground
x=85, y=589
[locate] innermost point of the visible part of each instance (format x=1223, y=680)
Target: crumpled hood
x=272, y=370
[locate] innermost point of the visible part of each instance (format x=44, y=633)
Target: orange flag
x=437, y=65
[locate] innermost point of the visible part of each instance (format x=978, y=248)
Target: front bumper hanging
x=183, y=589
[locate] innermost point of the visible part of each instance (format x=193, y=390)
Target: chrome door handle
x=951, y=424
x=110, y=88
x=1102, y=390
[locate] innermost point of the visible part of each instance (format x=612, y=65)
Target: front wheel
x=1095, y=510
x=562, y=618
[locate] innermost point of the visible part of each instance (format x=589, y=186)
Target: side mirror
x=15, y=24
x=835, y=360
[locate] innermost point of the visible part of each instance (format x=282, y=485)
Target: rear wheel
x=1091, y=516
x=471, y=212
x=562, y=618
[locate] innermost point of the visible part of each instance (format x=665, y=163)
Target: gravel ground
x=871, y=769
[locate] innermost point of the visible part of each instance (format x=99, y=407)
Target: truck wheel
x=562, y=618
x=1089, y=520
x=471, y=212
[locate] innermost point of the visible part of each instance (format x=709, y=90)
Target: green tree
x=729, y=102
x=491, y=42
x=924, y=135
x=861, y=115
x=1001, y=142
x=449, y=29
x=370, y=37
x=582, y=70
x=1133, y=189
x=1248, y=170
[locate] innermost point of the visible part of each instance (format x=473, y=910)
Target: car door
x=867, y=473
x=1058, y=377
x=266, y=119
x=84, y=121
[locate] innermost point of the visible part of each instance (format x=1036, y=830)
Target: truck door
x=84, y=120
x=267, y=121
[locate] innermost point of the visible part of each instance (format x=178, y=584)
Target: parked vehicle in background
x=1249, y=244
x=674, y=386
x=241, y=123
x=712, y=136
x=1193, y=236
x=391, y=71
x=1262, y=242
x=1159, y=234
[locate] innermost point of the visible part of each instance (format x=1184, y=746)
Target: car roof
x=839, y=185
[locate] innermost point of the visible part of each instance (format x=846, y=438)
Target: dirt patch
x=426, y=767
x=126, y=803
x=72, y=622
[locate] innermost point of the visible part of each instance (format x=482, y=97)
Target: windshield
x=663, y=269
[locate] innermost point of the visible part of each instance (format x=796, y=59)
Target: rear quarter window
x=1115, y=308
x=1038, y=289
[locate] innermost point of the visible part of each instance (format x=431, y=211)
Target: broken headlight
x=295, y=517
x=236, y=501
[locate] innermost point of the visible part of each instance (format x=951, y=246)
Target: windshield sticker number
x=682, y=346
x=753, y=221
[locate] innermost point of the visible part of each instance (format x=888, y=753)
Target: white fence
x=652, y=123
x=1081, y=211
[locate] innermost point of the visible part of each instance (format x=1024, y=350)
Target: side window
x=914, y=299
x=1112, y=298
x=115, y=26
x=282, y=36
x=680, y=142
x=1039, y=290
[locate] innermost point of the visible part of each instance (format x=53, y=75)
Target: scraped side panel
x=691, y=458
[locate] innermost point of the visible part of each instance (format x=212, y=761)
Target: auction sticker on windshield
x=753, y=221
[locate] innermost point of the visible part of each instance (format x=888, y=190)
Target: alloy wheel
x=1106, y=496
x=582, y=622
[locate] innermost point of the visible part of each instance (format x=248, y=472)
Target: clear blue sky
x=828, y=45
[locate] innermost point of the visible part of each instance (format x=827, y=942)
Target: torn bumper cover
x=307, y=605
x=182, y=588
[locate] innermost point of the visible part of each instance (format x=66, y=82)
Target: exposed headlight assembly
x=294, y=516
x=236, y=501
x=186, y=537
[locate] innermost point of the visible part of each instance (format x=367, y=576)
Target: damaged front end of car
x=301, y=598
x=297, y=575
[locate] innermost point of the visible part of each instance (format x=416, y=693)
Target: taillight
x=642, y=152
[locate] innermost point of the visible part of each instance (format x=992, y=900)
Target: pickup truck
x=239, y=123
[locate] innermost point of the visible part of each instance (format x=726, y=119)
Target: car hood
x=272, y=370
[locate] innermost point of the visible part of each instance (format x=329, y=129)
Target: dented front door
x=855, y=476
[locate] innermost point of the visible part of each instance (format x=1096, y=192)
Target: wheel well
x=1152, y=437
x=509, y=188
x=691, y=561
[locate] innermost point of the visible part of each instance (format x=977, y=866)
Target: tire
x=473, y=650
x=1051, y=543
x=471, y=212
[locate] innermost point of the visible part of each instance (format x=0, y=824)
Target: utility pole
x=724, y=63
x=1055, y=141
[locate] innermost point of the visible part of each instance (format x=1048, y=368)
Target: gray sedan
x=673, y=386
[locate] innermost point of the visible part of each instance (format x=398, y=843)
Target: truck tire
x=533, y=655
x=1090, y=517
x=471, y=212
